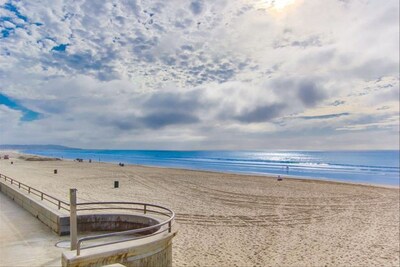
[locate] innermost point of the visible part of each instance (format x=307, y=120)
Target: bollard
x=73, y=228
x=55, y=171
x=116, y=184
x=12, y=162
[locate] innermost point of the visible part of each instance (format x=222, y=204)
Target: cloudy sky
x=202, y=74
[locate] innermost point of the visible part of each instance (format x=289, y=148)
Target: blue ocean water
x=372, y=167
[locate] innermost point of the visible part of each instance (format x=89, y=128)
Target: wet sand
x=241, y=220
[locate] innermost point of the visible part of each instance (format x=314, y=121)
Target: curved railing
x=161, y=227
x=43, y=196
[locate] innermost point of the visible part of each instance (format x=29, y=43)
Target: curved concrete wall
x=147, y=252
x=115, y=222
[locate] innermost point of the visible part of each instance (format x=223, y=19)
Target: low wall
x=115, y=222
x=146, y=252
x=54, y=219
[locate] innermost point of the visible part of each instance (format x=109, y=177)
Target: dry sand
x=238, y=220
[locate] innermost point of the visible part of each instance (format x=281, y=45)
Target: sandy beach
x=241, y=220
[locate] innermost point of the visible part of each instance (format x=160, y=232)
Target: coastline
x=268, y=175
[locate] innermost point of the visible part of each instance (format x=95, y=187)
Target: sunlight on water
x=376, y=167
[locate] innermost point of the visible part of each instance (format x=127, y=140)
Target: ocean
x=371, y=167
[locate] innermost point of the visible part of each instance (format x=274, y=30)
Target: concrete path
x=24, y=240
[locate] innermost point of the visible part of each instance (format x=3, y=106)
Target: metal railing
x=73, y=207
x=132, y=206
x=43, y=196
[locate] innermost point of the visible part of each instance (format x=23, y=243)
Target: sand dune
x=240, y=220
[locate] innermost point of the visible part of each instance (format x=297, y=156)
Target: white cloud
x=201, y=74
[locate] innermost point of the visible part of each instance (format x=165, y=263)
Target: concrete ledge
x=151, y=251
x=53, y=218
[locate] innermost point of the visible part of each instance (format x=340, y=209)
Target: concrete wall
x=115, y=222
x=54, y=219
x=161, y=258
x=146, y=252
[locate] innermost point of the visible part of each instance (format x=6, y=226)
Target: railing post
x=73, y=225
x=41, y=196
x=145, y=208
x=169, y=227
x=78, y=250
x=59, y=204
x=29, y=189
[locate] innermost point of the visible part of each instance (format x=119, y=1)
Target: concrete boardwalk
x=24, y=240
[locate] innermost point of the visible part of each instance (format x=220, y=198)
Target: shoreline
x=267, y=175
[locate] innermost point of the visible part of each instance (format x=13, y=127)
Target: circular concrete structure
x=132, y=237
x=116, y=223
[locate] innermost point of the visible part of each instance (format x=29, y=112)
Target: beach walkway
x=24, y=240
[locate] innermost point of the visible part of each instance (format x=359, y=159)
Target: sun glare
x=275, y=5
x=281, y=4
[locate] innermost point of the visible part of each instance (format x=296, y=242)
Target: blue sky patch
x=6, y=32
x=14, y=9
x=2, y=19
x=28, y=115
x=60, y=48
